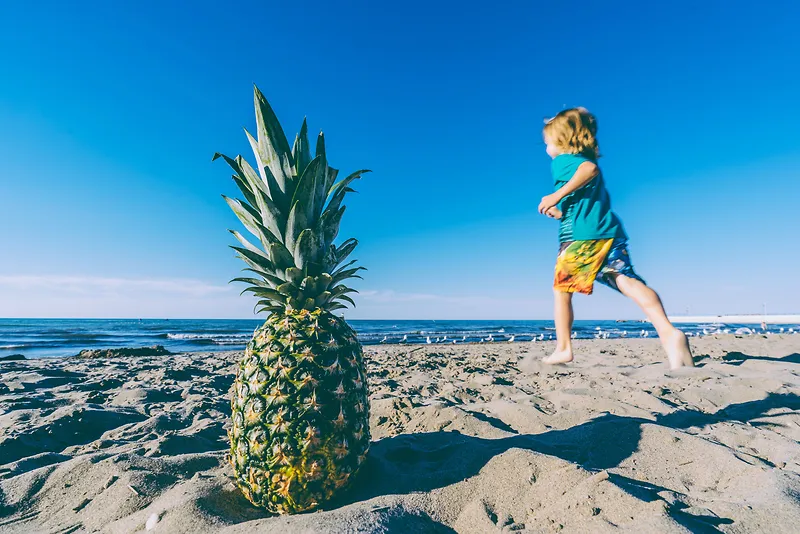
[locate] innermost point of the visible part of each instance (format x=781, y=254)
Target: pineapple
x=300, y=407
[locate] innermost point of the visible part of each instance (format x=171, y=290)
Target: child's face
x=551, y=149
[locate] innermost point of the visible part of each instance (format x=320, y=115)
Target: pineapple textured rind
x=300, y=410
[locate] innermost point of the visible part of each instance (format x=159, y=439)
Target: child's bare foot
x=559, y=356
x=678, y=351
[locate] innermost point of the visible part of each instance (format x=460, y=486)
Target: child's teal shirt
x=586, y=212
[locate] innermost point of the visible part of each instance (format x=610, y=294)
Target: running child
x=593, y=243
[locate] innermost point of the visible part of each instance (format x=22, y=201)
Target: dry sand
x=463, y=442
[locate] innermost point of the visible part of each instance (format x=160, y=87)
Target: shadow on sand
x=422, y=462
x=738, y=358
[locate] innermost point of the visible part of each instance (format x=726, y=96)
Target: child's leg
x=563, y=317
x=673, y=340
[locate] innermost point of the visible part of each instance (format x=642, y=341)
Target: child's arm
x=587, y=171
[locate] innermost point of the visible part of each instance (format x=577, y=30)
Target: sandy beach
x=462, y=442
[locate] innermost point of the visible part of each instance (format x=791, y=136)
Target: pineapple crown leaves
x=293, y=204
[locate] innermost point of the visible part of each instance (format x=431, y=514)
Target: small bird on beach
x=624, y=333
x=490, y=339
x=384, y=339
x=405, y=338
x=428, y=340
x=541, y=337
x=574, y=335
x=511, y=339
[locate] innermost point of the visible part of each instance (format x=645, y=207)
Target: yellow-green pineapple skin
x=300, y=411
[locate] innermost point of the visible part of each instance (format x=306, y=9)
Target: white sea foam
x=217, y=339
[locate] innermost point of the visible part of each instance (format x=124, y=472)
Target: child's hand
x=549, y=201
x=554, y=213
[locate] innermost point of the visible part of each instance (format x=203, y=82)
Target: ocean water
x=42, y=338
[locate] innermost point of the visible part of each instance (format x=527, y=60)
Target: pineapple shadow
x=409, y=463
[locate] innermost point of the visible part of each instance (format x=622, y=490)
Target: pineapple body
x=300, y=408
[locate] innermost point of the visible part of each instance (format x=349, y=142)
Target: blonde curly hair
x=574, y=131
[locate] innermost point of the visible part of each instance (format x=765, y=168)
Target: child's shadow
x=422, y=462
x=738, y=358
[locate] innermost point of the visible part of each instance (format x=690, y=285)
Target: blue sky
x=110, y=112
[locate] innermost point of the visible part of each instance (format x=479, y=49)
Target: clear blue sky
x=110, y=112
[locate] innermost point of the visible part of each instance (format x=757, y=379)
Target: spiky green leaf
x=301, y=151
x=297, y=223
x=288, y=289
x=253, y=282
x=346, y=248
x=323, y=298
x=258, y=258
x=273, y=189
x=247, y=244
x=245, y=189
x=307, y=250
x=249, y=219
x=265, y=292
x=280, y=256
x=342, y=290
x=341, y=276
x=324, y=281
x=268, y=276
x=330, y=222
x=273, y=147
x=304, y=192
x=346, y=299
x=339, y=190
x=294, y=275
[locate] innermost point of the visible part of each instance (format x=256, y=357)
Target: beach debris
x=152, y=521
x=134, y=490
x=155, y=350
x=111, y=480
x=81, y=505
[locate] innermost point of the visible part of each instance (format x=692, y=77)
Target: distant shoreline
x=737, y=319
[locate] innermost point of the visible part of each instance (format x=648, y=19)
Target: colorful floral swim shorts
x=581, y=263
